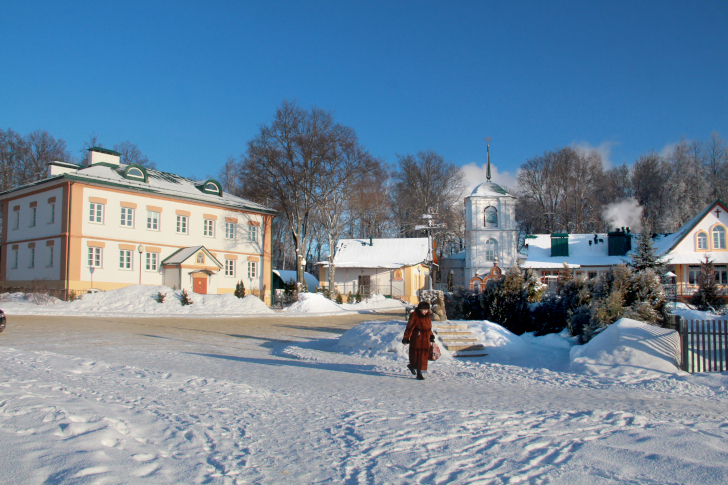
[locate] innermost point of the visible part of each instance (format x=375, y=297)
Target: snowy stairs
x=458, y=339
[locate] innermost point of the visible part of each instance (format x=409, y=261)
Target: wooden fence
x=704, y=345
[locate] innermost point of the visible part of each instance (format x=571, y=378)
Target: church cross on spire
x=487, y=173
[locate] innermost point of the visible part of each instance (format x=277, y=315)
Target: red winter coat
x=418, y=332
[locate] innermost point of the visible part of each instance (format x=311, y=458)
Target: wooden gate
x=704, y=345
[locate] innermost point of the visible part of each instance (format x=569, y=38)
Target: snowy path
x=177, y=405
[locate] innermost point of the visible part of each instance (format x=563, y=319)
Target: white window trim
x=17, y=220
x=15, y=259
x=53, y=213
x=33, y=216
x=150, y=219
x=155, y=261
x=230, y=264
x=92, y=250
x=103, y=212
x=211, y=224
x=50, y=257
x=129, y=212
x=230, y=231
x=253, y=234
x=31, y=263
x=252, y=265
x=186, y=221
x=131, y=260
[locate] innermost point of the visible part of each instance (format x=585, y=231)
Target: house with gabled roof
x=395, y=267
x=108, y=225
x=704, y=235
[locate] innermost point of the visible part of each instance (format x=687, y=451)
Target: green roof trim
x=133, y=168
x=560, y=234
x=205, y=187
x=104, y=150
x=531, y=236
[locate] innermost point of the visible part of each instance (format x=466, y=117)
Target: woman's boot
x=420, y=377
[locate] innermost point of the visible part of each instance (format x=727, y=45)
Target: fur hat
x=423, y=305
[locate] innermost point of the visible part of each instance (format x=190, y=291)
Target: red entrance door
x=199, y=285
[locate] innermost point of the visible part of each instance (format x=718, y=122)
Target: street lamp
x=140, y=248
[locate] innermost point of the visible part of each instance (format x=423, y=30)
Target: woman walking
x=419, y=336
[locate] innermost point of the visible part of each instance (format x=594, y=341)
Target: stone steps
x=458, y=339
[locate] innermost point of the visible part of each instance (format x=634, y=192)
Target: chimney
x=559, y=244
x=619, y=242
x=58, y=168
x=103, y=156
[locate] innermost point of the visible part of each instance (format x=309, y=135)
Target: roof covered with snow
x=489, y=189
x=158, y=182
x=581, y=253
x=382, y=253
x=287, y=275
x=182, y=255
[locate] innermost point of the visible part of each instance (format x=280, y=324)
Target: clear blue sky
x=190, y=82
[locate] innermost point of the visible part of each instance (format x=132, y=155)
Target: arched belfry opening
x=490, y=217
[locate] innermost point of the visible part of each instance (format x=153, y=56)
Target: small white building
x=393, y=267
x=704, y=235
x=110, y=225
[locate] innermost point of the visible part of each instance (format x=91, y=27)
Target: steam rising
x=627, y=213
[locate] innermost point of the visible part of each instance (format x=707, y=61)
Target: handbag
x=434, y=351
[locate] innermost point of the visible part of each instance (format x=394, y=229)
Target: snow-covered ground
x=222, y=403
x=141, y=300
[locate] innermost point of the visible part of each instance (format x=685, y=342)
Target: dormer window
x=211, y=186
x=135, y=172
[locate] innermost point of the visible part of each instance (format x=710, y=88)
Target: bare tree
x=716, y=160
x=130, y=153
x=290, y=162
x=425, y=181
x=41, y=149
x=557, y=191
x=370, y=205
x=12, y=157
x=92, y=141
x=228, y=177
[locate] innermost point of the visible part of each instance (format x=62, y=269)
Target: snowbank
x=374, y=302
x=379, y=339
x=374, y=339
x=688, y=314
x=140, y=300
x=313, y=303
x=628, y=346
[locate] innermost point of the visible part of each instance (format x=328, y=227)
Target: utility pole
x=429, y=229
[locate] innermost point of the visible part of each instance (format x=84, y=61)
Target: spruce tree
x=185, y=298
x=707, y=297
x=645, y=255
x=240, y=289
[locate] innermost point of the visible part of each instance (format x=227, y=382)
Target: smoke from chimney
x=627, y=213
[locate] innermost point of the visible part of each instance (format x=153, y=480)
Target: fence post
x=683, y=331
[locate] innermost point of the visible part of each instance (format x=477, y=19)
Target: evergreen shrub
x=240, y=289
x=707, y=297
x=185, y=298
